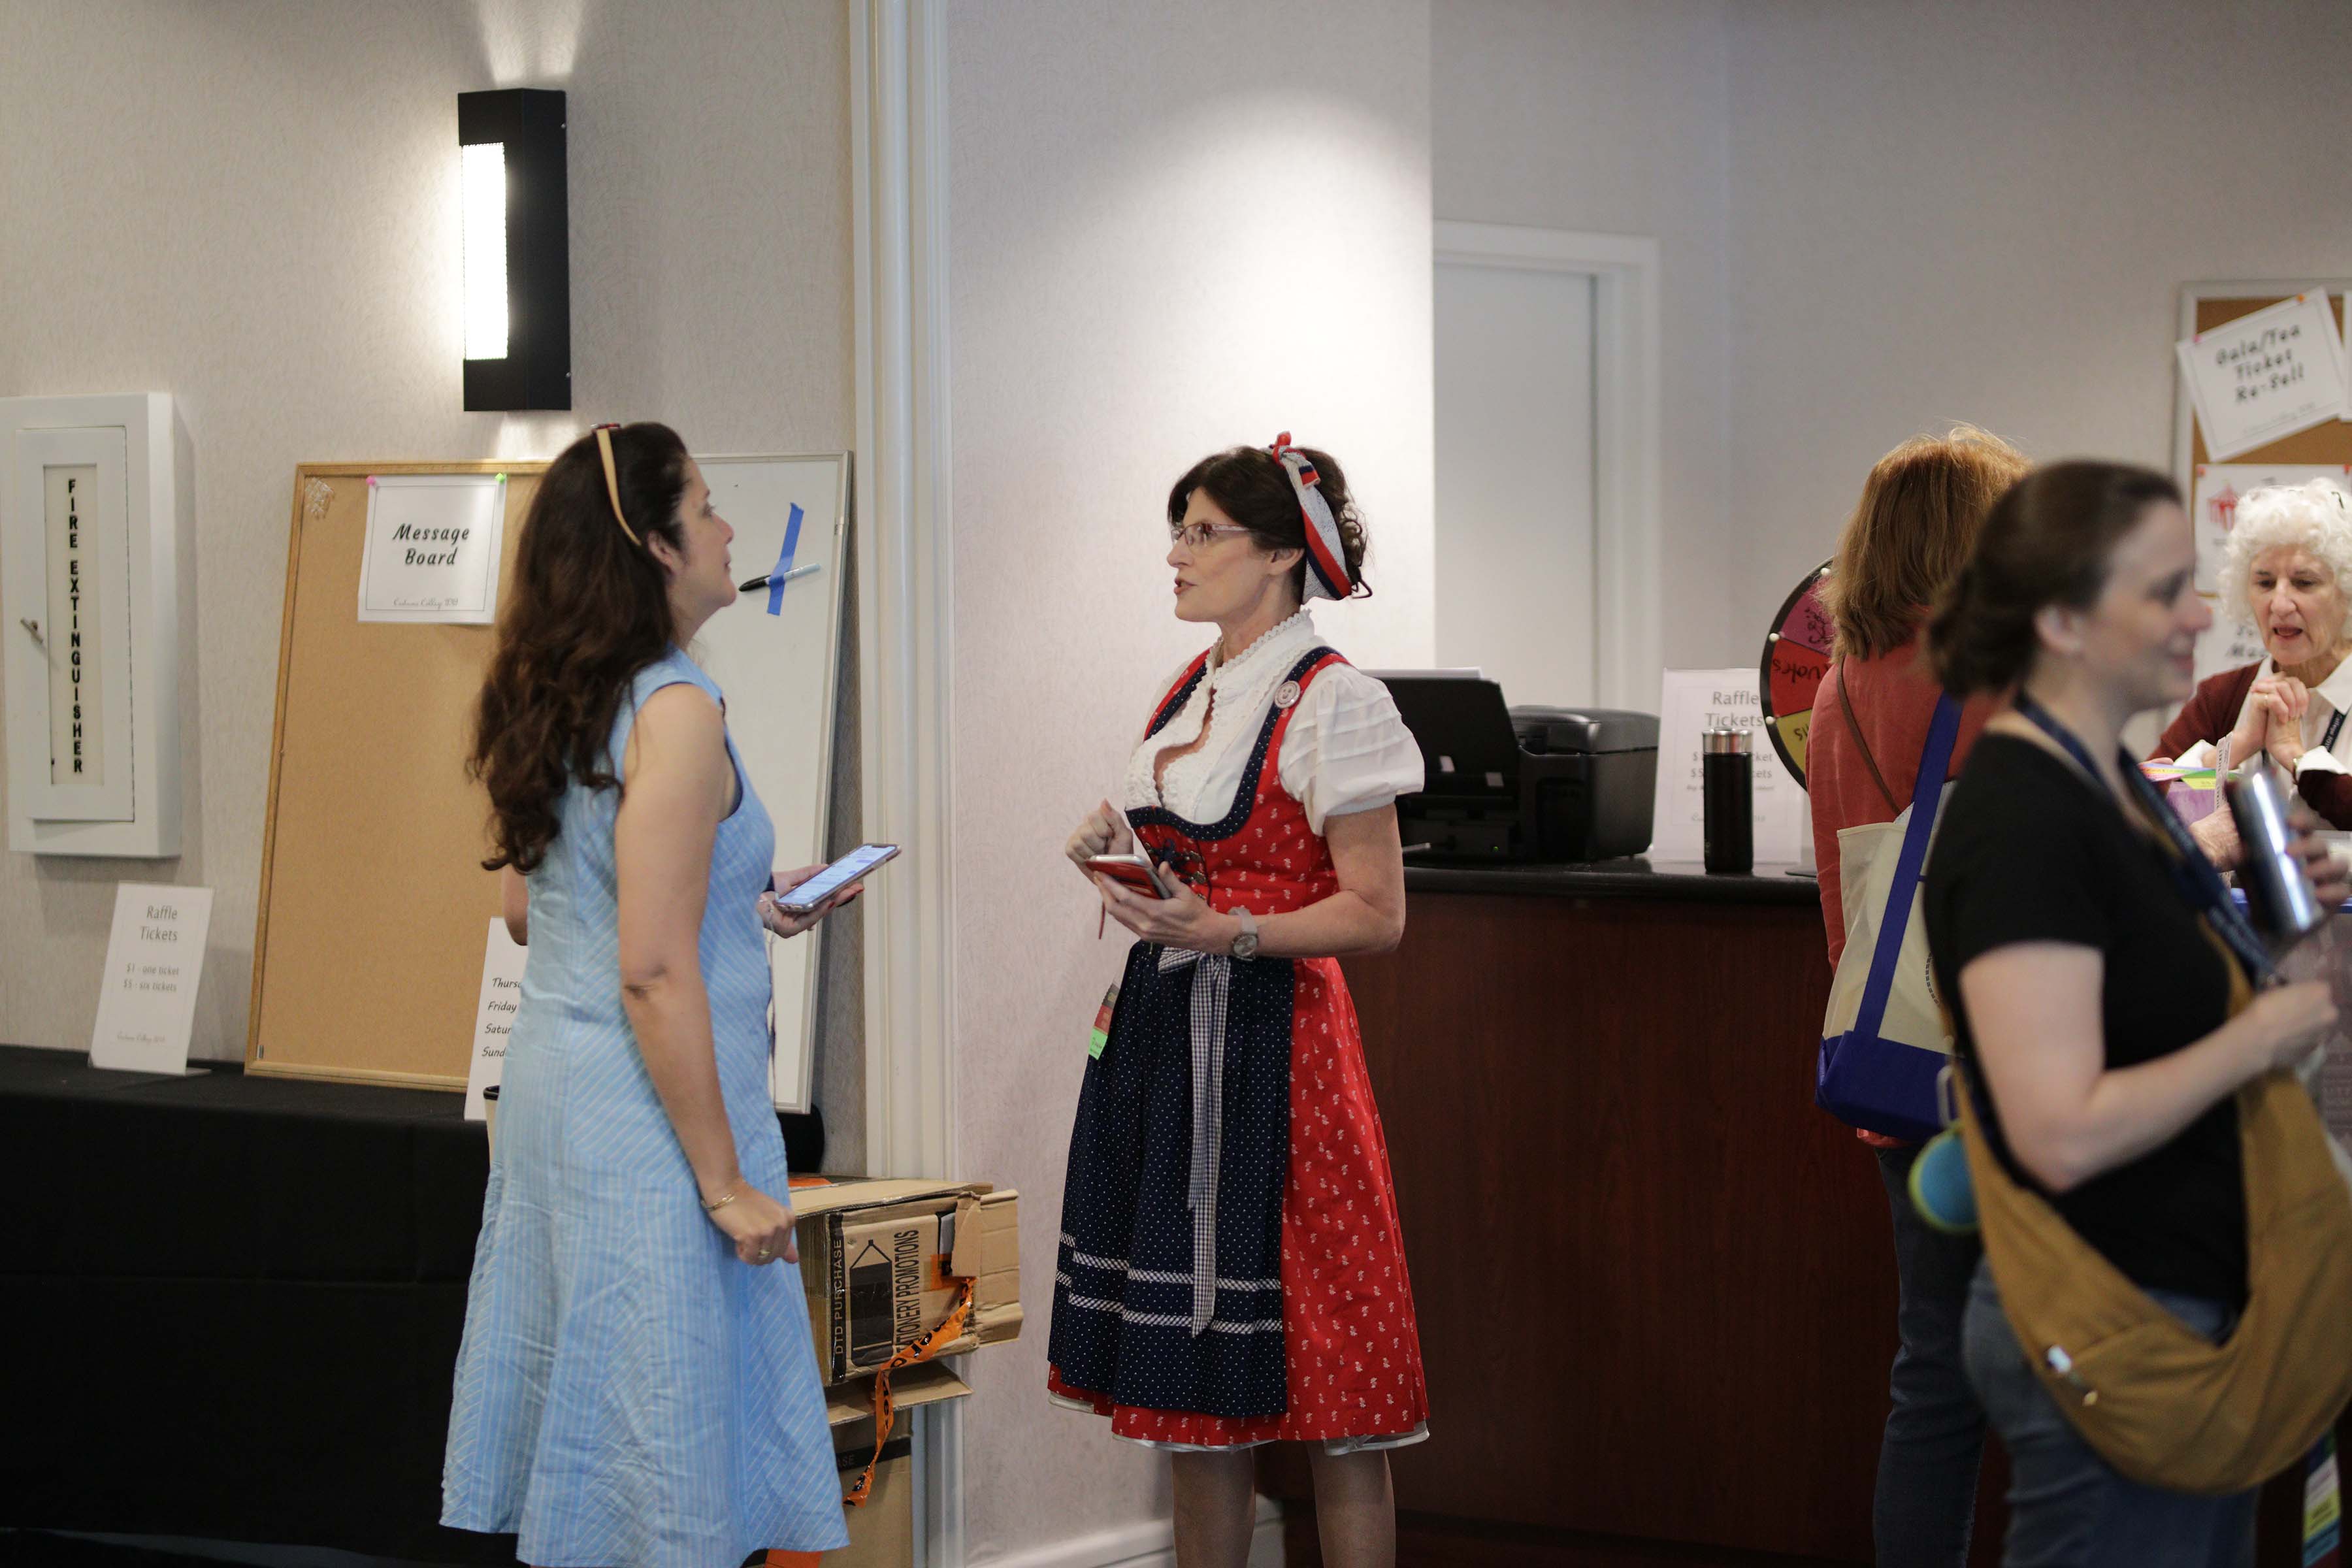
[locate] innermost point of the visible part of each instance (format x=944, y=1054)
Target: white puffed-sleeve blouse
x=1346, y=750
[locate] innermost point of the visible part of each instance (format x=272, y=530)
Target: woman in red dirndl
x=1231, y=1270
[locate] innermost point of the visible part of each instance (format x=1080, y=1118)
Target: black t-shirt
x=2027, y=850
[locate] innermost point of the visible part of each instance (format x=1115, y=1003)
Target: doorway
x=1545, y=400
x=1515, y=573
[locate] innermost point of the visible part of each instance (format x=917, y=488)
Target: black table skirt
x=235, y=1304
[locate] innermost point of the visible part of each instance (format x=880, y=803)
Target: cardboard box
x=879, y=1258
x=882, y=1532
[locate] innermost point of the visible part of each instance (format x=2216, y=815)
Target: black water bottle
x=1727, y=786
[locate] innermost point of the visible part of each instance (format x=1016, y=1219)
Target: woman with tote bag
x=1873, y=720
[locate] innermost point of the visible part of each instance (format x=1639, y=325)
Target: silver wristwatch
x=1245, y=940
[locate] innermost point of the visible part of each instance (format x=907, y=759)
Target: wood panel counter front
x=1654, y=1282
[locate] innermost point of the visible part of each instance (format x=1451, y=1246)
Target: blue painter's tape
x=785, y=564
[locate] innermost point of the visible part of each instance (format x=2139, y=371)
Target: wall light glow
x=515, y=255
x=486, y=249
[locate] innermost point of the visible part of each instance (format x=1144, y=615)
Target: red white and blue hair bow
x=1326, y=556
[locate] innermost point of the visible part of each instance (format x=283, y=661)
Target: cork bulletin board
x=2212, y=489
x=367, y=952
x=368, y=944
x=2203, y=306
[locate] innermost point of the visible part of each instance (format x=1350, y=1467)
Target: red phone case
x=1129, y=875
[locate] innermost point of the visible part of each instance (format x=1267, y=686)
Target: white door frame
x=898, y=149
x=1627, y=408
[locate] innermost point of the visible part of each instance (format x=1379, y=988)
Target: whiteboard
x=779, y=675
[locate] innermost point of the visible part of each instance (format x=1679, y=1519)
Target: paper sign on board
x=434, y=544
x=494, y=1014
x=2266, y=375
x=1697, y=699
x=154, y=959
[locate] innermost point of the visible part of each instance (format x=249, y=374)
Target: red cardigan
x=1893, y=699
x=2211, y=712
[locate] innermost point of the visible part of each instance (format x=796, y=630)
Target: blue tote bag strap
x=1927, y=793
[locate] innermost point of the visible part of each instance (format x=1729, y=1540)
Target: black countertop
x=226, y=1089
x=1633, y=877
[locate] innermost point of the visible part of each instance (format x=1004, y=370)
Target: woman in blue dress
x=636, y=1387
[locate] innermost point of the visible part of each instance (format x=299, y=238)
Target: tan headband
x=612, y=483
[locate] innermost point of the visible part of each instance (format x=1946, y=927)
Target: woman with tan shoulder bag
x=2164, y=1317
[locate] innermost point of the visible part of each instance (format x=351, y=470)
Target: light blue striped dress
x=629, y=1395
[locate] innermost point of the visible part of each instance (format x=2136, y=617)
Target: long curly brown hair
x=588, y=610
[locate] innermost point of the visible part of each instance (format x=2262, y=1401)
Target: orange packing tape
x=951, y=1329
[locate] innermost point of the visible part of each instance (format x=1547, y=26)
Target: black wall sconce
x=517, y=259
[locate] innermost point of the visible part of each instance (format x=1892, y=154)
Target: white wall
x=1879, y=216
x=253, y=207
x=1986, y=212
x=1609, y=116
x=1175, y=228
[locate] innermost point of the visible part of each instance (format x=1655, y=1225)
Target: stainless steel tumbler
x=2278, y=894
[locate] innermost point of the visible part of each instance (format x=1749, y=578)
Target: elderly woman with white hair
x=2287, y=575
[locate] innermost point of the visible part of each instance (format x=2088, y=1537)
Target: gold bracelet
x=723, y=1200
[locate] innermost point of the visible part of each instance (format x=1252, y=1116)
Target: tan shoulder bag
x=2159, y=1401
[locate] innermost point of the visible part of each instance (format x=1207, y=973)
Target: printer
x=1526, y=784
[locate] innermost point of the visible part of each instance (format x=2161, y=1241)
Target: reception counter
x=1678, y=881
x=1656, y=1292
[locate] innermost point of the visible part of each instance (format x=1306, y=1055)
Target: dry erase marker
x=756, y=584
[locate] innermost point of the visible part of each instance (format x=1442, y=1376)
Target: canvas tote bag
x=1884, y=1039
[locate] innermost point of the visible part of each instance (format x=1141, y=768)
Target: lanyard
x=2192, y=874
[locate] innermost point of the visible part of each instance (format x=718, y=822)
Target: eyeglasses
x=1201, y=535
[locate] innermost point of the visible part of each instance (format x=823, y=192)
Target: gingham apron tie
x=1212, y=984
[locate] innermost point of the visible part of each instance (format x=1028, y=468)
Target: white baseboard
x=1152, y=1545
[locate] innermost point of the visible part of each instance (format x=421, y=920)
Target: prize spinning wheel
x=1796, y=661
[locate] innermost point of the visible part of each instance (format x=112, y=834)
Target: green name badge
x=1099, y=1035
